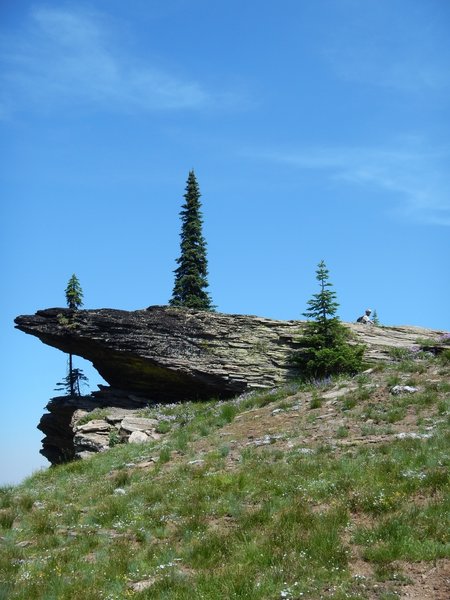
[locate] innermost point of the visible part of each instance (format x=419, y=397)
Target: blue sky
x=318, y=129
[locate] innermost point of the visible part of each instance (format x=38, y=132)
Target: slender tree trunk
x=72, y=389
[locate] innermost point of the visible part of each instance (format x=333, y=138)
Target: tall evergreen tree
x=191, y=274
x=325, y=348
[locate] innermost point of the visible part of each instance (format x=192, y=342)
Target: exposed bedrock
x=170, y=354
x=164, y=354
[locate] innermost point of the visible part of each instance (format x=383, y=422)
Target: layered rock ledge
x=172, y=354
x=164, y=354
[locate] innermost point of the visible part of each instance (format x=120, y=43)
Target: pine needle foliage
x=74, y=293
x=72, y=382
x=325, y=345
x=75, y=377
x=375, y=318
x=191, y=274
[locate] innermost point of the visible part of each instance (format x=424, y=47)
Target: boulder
x=130, y=424
x=138, y=437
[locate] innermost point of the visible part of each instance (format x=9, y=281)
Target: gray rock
x=412, y=435
x=164, y=354
x=338, y=392
x=170, y=354
x=92, y=426
x=131, y=423
x=403, y=389
x=138, y=437
x=140, y=586
x=90, y=442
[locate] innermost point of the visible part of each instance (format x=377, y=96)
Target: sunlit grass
x=278, y=521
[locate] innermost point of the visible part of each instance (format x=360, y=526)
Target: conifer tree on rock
x=191, y=274
x=75, y=377
x=74, y=293
x=323, y=306
x=325, y=345
x=72, y=382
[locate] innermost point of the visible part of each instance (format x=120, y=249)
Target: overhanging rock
x=164, y=354
x=171, y=354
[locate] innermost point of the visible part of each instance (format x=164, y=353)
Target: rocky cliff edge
x=163, y=354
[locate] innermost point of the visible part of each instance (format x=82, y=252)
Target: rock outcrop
x=171, y=354
x=164, y=354
x=78, y=426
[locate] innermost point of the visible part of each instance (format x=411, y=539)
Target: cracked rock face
x=165, y=354
x=77, y=427
x=172, y=354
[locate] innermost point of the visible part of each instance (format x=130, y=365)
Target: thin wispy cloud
x=416, y=179
x=70, y=58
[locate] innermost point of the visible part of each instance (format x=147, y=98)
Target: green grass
x=97, y=413
x=272, y=521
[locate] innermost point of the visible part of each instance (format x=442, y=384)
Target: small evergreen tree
x=323, y=306
x=72, y=382
x=74, y=293
x=325, y=348
x=191, y=274
x=75, y=377
x=375, y=318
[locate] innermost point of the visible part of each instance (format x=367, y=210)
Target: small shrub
x=163, y=427
x=437, y=478
x=444, y=357
x=7, y=516
x=181, y=440
x=97, y=413
x=228, y=412
x=25, y=502
x=395, y=414
x=425, y=342
x=399, y=354
x=224, y=451
x=41, y=522
x=316, y=402
x=121, y=478
x=393, y=379
x=362, y=379
x=164, y=455
x=204, y=429
x=114, y=438
x=411, y=366
x=368, y=430
x=342, y=432
x=6, y=496
x=340, y=358
x=443, y=407
x=349, y=402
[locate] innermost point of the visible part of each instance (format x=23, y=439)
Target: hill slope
x=326, y=491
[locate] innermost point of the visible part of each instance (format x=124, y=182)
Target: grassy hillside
x=336, y=490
